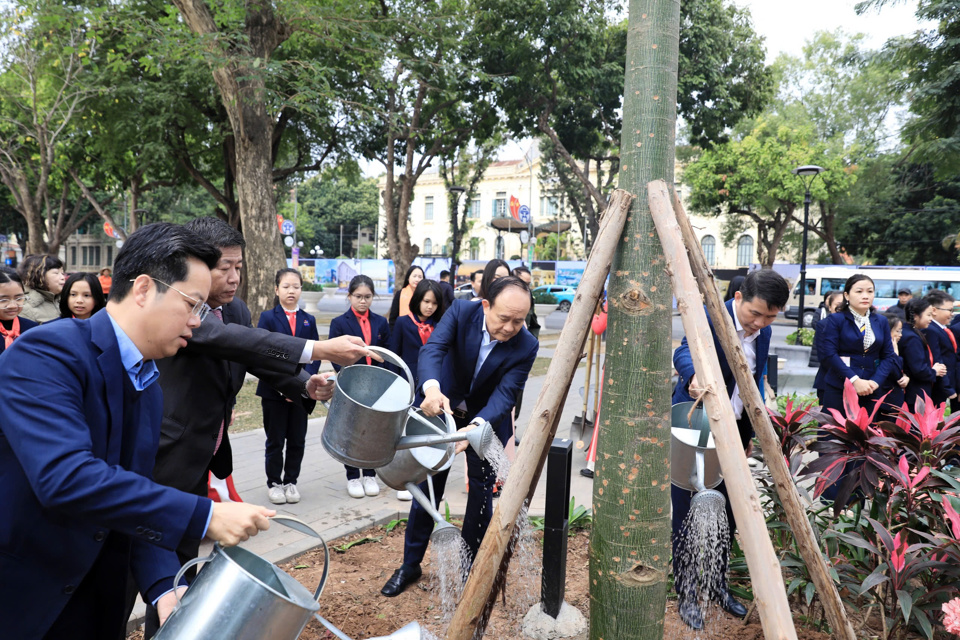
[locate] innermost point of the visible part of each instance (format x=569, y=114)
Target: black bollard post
x=556, y=526
x=773, y=372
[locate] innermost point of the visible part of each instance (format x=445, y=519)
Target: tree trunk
x=630, y=545
x=243, y=93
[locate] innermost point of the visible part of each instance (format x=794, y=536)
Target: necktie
x=217, y=312
x=953, y=340
x=364, y=321
x=292, y=319
x=11, y=335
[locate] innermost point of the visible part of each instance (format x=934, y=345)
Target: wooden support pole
x=768, y=588
x=769, y=442
x=470, y=618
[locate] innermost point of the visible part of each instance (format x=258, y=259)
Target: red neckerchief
x=425, y=328
x=12, y=334
x=364, y=321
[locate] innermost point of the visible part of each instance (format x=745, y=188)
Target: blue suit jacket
x=683, y=362
x=916, y=364
x=24, y=325
x=940, y=345
x=276, y=320
x=838, y=337
x=348, y=325
x=405, y=342
x=64, y=484
x=450, y=356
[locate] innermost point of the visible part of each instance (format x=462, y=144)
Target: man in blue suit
x=79, y=425
x=474, y=366
x=938, y=332
x=754, y=307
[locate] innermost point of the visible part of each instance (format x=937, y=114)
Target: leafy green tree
x=749, y=182
x=336, y=197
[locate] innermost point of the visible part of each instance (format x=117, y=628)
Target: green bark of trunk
x=630, y=547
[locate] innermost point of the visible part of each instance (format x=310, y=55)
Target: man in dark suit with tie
x=475, y=365
x=763, y=294
x=79, y=423
x=201, y=382
x=938, y=332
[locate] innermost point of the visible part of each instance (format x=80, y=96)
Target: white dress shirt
x=749, y=344
x=486, y=347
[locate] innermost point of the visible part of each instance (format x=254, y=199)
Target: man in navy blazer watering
x=475, y=365
x=79, y=425
x=754, y=307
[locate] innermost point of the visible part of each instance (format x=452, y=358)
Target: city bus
x=919, y=280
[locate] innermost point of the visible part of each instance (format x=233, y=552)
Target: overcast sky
x=787, y=25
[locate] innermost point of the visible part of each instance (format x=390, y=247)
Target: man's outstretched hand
x=343, y=350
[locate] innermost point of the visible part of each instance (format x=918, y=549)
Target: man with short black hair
x=904, y=296
x=474, y=366
x=939, y=336
x=476, y=280
x=80, y=419
x=447, y=290
x=763, y=294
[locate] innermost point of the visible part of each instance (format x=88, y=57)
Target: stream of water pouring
x=706, y=536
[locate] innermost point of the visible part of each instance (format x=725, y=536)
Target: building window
x=73, y=256
x=473, y=211
x=499, y=247
x=443, y=248
x=109, y=256
x=500, y=205
x=474, y=248
x=428, y=208
x=96, y=256
x=427, y=247
x=548, y=207
x=744, y=251
x=709, y=244
x=83, y=254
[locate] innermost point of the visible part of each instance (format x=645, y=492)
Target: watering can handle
x=183, y=570
x=394, y=359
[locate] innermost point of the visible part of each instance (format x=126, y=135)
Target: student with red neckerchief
x=414, y=329
x=11, y=304
x=374, y=330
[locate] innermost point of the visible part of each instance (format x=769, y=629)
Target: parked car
x=464, y=292
x=554, y=294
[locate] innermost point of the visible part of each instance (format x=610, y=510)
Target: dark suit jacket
x=348, y=325
x=683, y=362
x=66, y=481
x=450, y=356
x=945, y=386
x=24, y=325
x=838, y=337
x=405, y=342
x=448, y=294
x=276, y=320
x=200, y=385
x=916, y=364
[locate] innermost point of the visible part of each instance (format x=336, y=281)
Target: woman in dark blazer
x=284, y=421
x=414, y=329
x=831, y=302
x=374, y=330
x=921, y=360
x=12, y=299
x=854, y=344
x=892, y=389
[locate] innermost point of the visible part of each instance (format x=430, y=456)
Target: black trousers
x=285, y=423
x=95, y=611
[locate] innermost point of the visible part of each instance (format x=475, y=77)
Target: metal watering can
x=694, y=464
x=238, y=595
x=368, y=413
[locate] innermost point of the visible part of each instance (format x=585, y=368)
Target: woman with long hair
x=81, y=297
x=12, y=299
x=402, y=296
x=43, y=279
x=854, y=345
x=891, y=390
x=494, y=270
x=921, y=359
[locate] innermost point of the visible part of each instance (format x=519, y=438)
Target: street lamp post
x=807, y=173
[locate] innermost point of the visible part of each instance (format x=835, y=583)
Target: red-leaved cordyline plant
x=797, y=429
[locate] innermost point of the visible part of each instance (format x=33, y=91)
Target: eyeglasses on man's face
x=12, y=303
x=200, y=308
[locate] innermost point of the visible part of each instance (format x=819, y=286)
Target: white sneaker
x=276, y=494
x=370, y=486
x=404, y=496
x=293, y=496
x=355, y=488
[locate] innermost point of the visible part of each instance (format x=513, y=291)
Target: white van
x=888, y=280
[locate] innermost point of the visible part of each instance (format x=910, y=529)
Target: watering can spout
x=478, y=439
x=408, y=632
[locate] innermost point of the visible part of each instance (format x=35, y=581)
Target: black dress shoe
x=399, y=581
x=586, y=473
x=731, y=605
x=690, y=614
